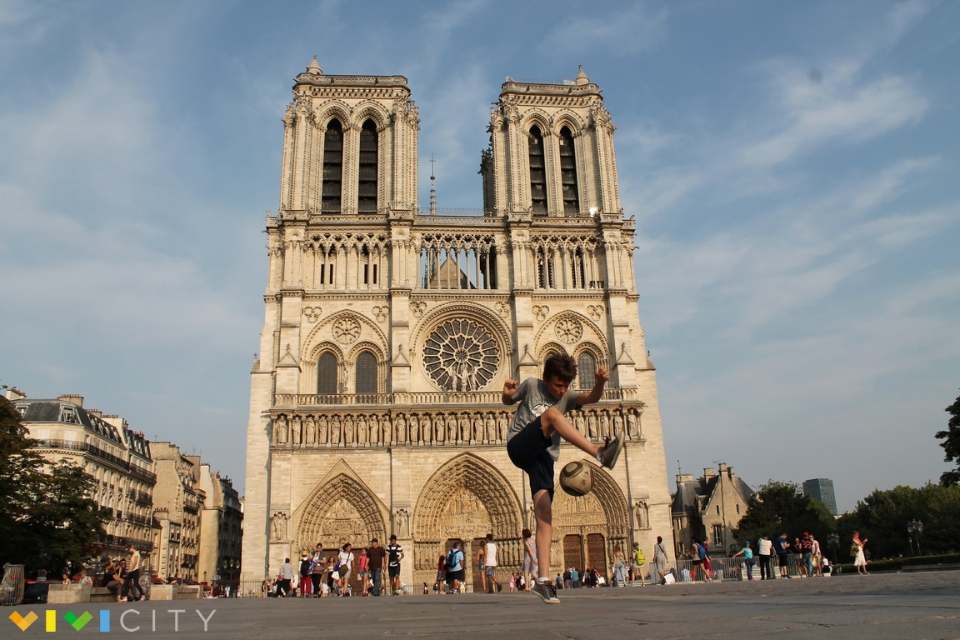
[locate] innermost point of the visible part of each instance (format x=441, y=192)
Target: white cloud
x=621, y=33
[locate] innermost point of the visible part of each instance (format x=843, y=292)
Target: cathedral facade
x=375, y=405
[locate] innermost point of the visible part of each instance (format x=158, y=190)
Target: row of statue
x=418, y=429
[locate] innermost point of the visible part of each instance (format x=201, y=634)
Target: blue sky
x=792, y=168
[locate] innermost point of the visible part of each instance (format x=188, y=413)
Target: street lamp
x=914, y=529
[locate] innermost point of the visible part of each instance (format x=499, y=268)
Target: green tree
x=49, y=517
x=951, y=444
x=882, y=517
x=780, y=507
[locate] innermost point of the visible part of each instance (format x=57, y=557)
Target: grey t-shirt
x=534, y=399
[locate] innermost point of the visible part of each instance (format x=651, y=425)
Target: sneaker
x=610, y=452
x=547, y=592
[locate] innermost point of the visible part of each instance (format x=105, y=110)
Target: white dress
x=860, y=560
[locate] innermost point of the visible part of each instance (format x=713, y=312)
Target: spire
x=433, y=187
x=314, y=66
x=582, y=76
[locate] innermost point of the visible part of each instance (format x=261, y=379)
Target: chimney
x=95, y=412
x=73, y=398
x=115, y=421
x=708, y=473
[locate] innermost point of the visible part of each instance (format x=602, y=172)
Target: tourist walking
x=481, y=555
x=529, y=557
x=765, y=550
x=286, y=578
x=455, y=568
x=806, y=553
x=131, y=580
x=375, y=557
x=306, y=582
x=747, y=553
x=363, y=572
x=441, y=574
x=858, y=552
x=619, y=568
x=316, y=571
x=638, y=561
x=490, y=563
x=817, y=554
x=660, y=559
x=782, y=547
x=344, y=567
x=395, y=555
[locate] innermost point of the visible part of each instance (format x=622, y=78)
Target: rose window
x=461, y=355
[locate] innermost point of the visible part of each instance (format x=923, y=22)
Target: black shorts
x=393, y=571
x=782, y=558
x=528, y=450
x=455, y=575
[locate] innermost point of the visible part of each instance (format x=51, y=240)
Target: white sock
x=543, y=579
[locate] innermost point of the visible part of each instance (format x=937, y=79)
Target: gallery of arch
x=375, y=403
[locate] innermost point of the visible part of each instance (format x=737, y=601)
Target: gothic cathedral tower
x=388, y=332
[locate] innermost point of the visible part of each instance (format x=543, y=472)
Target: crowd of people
x=319, y=575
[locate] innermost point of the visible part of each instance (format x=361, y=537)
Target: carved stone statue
x=335, y=431
x=464, y=424
x=363, y=432
x=384, y=429
x=604, y=425
x=477, y=428
x=323, y=431
x=617, y=424
x=348, y=431
x=592, y=425
x=414, y=429
x=400, y=430
x=579, y=422
x=295, y=431
x=278, y=526
x=310, y=437
x=402, y=519
x=503, y=425
x=451, y=429
x=490, y=427
x=438, y=432
x=633, y=423
x=280, y=430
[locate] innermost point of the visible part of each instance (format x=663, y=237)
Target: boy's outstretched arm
x=595, y=394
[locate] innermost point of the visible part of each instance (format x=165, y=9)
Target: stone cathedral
x=375, y=403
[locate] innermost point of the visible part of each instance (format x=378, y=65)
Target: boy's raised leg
x=553, y=420
x=543, y=512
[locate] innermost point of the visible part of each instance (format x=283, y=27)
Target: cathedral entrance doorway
x=465, y=500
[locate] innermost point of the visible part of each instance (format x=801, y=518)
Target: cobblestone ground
x=913, y=606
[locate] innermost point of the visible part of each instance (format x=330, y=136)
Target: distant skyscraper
x=822, y=490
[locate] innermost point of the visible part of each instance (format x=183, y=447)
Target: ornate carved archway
x=340, y=510
x=465, y=499
x=598, y=522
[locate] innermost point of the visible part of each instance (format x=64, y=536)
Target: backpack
x=452, y=559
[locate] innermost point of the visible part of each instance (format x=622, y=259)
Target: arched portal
x=464, y=500
x=341, y=510
x=587, y=529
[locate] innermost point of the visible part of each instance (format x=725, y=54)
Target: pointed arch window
x=587, y=370
x=327, y=374
x=332, y=167
x=367, y=185
x=568, y=173
x=538, y=172
x=366, y=373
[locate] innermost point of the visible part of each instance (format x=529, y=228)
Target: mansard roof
x=40, y=410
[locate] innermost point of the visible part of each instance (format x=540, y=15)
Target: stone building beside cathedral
x=389, y=331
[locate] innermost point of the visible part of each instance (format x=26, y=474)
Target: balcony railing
x=284, y=400
x=96, y=452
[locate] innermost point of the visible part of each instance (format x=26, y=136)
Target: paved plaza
x=916, y=606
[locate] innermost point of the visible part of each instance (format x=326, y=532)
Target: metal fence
x=724, y=568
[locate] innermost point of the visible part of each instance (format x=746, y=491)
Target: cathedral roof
x=314, y=75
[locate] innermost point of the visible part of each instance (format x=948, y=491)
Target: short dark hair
x=374, y=540
x=393, y=537
x=489, y=536
x=560, y=365
x=526, y=533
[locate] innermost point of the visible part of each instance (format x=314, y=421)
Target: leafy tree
x=48, y=516
x=883, y=516
x=951, y=444
x=780, y=507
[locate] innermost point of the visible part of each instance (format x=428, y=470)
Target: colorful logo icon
x=23, y=622
x=77, y=622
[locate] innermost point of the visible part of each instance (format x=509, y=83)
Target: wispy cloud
x=622, y=32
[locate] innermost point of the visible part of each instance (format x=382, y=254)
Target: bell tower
x=349, y=144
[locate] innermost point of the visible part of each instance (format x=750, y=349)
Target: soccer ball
x=576, y=478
